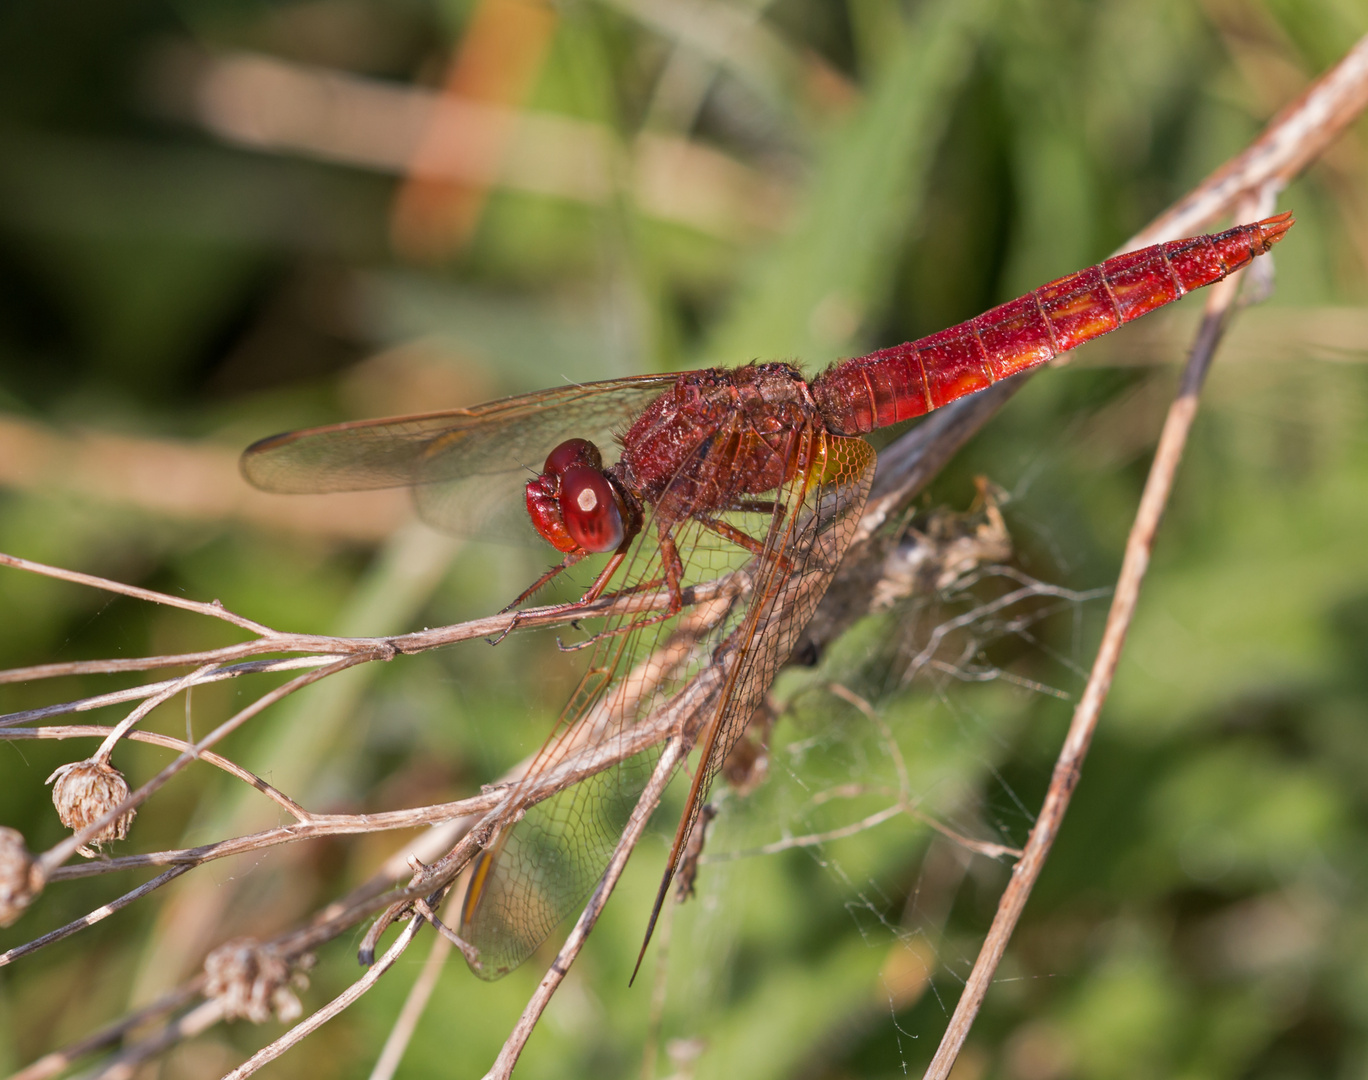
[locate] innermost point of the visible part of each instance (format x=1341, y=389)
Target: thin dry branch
x=79, y=731
x=146, y=690
x=54, y=857
x=381, y=648
x=680, y=715
x=1068, y=766
x=308, y=1026
x=98, y=915
x=493, y=803
x=675, y=752
x=1294, y=138
x=1250, y=183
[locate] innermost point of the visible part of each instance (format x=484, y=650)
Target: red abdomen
x=868, y=392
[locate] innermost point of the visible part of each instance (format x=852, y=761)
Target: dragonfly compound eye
x=589, y=507
x=572, y=452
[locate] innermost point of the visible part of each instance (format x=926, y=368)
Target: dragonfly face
x=579, y=507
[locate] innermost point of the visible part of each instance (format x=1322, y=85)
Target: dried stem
x=1068, y=766
x=675, y=752
x=312, y=1023
x=77, y=731
x=53, y=858
x=407, y=1021
x=382, y=648
x=99, y=914
x=1295, y=137
x=138, y=693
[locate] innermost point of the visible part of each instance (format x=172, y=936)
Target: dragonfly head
x=579, y=506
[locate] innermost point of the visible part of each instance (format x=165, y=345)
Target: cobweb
x=881, y=794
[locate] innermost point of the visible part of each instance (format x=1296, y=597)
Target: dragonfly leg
x=536, y=586
x=674, y=572
x=742, y=539
x=674, y=575
x=601, y=582
x=569, y=561
x=617, y=631
x=574, y=605
x=594, y=593
x=631, y=590
x=731, y=532
x=688, y=866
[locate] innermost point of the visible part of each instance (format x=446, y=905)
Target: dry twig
x=1294, y=138
x=1249, y=183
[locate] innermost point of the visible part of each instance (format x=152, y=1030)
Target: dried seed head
x=18, y=883
x=253, y=981
x=83, y=793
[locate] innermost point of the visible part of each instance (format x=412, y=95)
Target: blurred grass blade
x=813, y=291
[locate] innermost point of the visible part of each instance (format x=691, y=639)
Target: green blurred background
x=222, y=219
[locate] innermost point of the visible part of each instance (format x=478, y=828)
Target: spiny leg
x=594, y=593
x=570, y=560
x=673, y=579
x=601, y=582
x=743, y=539
x=738, y=537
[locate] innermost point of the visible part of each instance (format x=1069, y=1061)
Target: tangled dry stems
x=257, y=979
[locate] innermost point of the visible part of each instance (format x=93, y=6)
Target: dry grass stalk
x=259, y=985
x=1248, y=184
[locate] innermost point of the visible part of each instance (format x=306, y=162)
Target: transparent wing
x=467, y=467
x=540, y=869
x=814, y=521
x=823, y=505
x=721, y=655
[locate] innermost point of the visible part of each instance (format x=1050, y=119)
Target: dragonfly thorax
x=716, y=435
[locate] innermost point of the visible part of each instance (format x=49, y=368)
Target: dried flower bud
x=18, y=883
x=83, y=793
x=253, y=981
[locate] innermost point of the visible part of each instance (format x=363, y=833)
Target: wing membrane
x=467, y=467
x=814, y=521
x=541, y=869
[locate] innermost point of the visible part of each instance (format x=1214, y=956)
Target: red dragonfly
x=716, y=470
